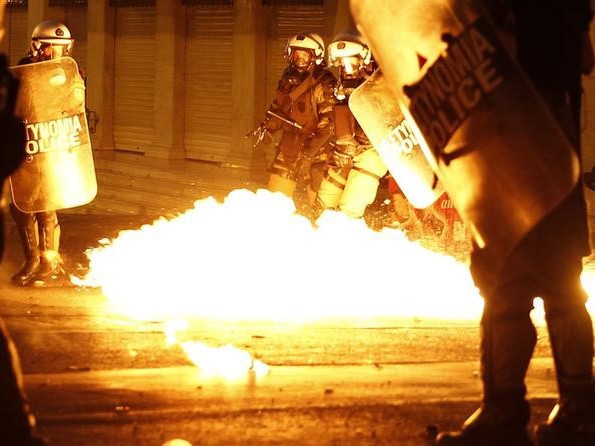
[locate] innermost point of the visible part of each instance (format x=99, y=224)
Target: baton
x=285, y=120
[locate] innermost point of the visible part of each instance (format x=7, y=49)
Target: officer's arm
x=272, y=124
x=325, y=101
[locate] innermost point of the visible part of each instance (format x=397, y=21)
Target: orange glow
x=253, y=259
x=349, y=64
x=225, y=362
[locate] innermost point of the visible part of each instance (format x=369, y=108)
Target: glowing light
x=227, y=361
x=347, y=64
x=58, y=77
x=253, y=258
x=588, y=282
x=177, y=442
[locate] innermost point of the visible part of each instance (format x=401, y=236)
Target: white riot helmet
x=51, y=39
x=349, y=51
x=312, y=43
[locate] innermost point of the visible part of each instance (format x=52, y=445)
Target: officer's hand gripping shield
x=58, y=170
x=378, y=112
x=496, y=148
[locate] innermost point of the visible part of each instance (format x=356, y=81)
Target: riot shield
x=377, y=111
x=58, y=170
x=496, y=148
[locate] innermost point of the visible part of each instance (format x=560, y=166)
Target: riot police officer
x=352, y=177
x=40, y=231
x=546, y=263
x=301, y=111
x=544, y=257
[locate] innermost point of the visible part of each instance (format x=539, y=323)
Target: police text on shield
x=58, y=134
x=456, y=84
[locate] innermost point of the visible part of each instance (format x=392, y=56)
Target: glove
x=258, y=134
x=341, y=159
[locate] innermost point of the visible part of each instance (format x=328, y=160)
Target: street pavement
x=95, y=377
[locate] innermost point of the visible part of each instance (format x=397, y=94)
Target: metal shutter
x=285, y=21
x=76, y=21
x=18, y=38
x=134, y=78
x=208, y=85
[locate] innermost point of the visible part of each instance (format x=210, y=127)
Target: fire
x=228, y=362
x=252, y=258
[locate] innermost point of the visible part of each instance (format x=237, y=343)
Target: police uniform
x=40, y=231
x=307, y=99
x=353, y=186
x=530, y=227
x=547, y=263
x=353, y=173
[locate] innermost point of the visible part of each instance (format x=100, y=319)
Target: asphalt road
x=95, y=377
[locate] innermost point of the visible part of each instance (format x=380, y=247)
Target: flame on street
x=228, y=362
x=253, y=259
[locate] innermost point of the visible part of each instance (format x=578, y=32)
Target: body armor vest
x=296, y=101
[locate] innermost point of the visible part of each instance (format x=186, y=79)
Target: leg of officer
x=51, y=270
x=27, y=227
x=362, y=183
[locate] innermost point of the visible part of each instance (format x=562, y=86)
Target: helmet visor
x=49, y=51
x=351, y=65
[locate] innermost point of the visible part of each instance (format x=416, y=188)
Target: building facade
x=187, y=79
x=177, y=79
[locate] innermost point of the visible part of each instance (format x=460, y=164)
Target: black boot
x=51, y=271
x=27, y=228
x=507, y=343
x=572, y=421
x=494, y=424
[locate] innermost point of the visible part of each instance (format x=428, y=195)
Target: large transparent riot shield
x=496, y=148
x=58, y=170
x=377, y=111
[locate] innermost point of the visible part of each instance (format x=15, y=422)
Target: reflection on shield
x=58, y=171
x=377, y=110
